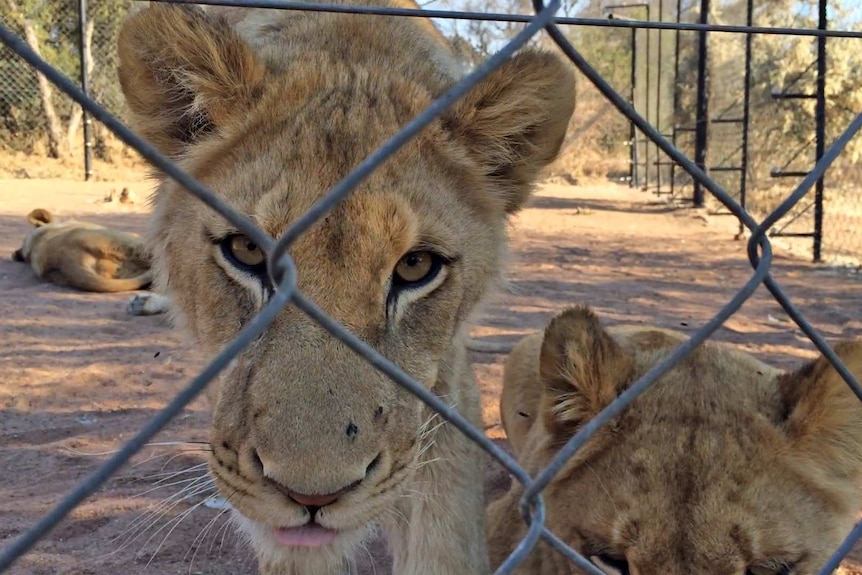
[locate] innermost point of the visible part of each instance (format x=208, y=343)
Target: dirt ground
x=79, y=376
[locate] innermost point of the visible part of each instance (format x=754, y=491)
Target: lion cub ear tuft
x=184, y=73
x=822, y=416
x=514, y=121
x=39, y=217
x=582, y=370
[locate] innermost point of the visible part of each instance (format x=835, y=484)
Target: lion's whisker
x=74, y=451
x=159, y=485
x=201, y=537
x=156, y=509
x=172, y=455
x=173, y=523
x=364, y=547
x=414, y=497
x=397, y=514
x=175, y=456
x=424, y=496
x=167, y=476
x=149, y=517
x=176, y=521
x=223, y=530
x=422, y=464
x=145, y=524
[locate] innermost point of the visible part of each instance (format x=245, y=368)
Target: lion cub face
x=725, y=466
x=310, y=442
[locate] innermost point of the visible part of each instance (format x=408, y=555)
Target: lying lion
x=84, y=256
x=726, y=465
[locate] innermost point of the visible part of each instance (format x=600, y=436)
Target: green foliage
x=20, y=104
x=56, y=29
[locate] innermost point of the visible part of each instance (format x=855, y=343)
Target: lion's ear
x=39, y=217
x=514, y=121
x=184, y=73
x=582, y=370
x=822, y=416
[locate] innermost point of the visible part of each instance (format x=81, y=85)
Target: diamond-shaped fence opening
x=22, y=95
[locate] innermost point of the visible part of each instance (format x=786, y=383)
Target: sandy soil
x=79, y=376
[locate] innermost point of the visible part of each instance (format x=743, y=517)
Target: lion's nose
x=311, y=501
x=314, y=500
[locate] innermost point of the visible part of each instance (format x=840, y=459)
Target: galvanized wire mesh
x=284, y=273
x=77, y=38
x=53, y=28
x=762, y=120
x=102, y=24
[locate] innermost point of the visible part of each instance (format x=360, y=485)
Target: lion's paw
x=147, y=304
x=215, y=502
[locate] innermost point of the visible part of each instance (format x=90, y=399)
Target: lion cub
x=725, y=466
x=313, y=447
x=84, y=256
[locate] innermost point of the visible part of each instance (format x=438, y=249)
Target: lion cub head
x=306, y=434
x=38, y=218
x=726, y=466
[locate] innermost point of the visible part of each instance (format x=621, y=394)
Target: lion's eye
x=416, y=269
x=244, y=254
x=611, y=565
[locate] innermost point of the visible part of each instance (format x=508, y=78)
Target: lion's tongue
x=305, y=536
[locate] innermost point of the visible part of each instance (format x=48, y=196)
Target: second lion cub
x=726, y=466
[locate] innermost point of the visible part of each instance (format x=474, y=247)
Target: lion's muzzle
x=310, y=436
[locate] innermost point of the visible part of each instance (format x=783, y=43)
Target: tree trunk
x=52, y=121
x=77, y=111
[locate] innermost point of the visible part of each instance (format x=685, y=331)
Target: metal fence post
x=746, y=107
x=633, y=131
x=675, y=104
x=85, y=65
x=646, y=97
x=820, y=134
x=633, y=134
x=658, y=99
x=702, y=122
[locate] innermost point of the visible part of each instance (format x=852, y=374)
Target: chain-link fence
x=283, y=273
x=759, y=100
x=758, y=111
x=29, y=105
x=79, y=39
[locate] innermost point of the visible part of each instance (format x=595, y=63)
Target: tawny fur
x=271, y=109
x=725, y=466
x=84, y=256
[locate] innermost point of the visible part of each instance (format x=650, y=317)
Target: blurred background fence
x=35, y=118
x=753, y=109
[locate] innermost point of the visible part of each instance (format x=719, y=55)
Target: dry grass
x=19, y=165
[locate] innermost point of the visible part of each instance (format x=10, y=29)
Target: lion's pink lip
x=309, y=535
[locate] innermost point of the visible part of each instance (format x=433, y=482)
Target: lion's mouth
x=308, y=535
